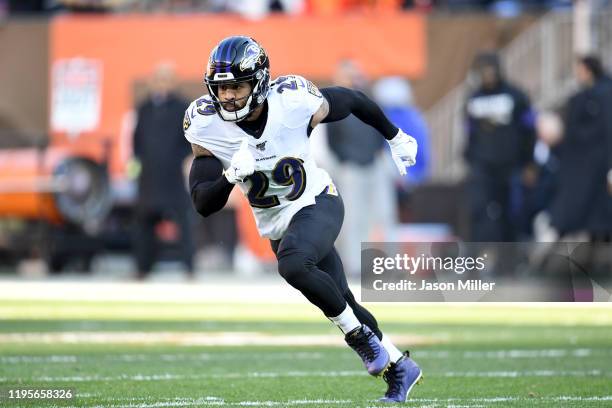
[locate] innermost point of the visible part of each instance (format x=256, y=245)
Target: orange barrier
x=29, y=185
x=249, y=236
x=26, y=186
x=129, y=46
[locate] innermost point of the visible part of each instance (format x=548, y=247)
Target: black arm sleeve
x=209, y=188
x=344, y=101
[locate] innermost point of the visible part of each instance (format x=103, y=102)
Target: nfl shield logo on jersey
x=186, y=122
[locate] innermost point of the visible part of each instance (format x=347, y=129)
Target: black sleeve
x=344, y=101
x=209, y=188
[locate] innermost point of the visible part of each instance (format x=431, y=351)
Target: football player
x=252, y=132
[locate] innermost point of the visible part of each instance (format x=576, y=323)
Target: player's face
x=234, y=96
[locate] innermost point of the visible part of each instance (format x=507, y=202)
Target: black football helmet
x=238, y=59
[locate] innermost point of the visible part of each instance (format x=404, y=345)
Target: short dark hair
x=487, y=59
x=593, y=64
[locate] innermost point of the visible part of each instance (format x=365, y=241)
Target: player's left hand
x=403, y=151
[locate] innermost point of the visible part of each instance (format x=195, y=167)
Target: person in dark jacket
x=583, y=201
x=501, y=137
x=163, y=208
x=364, y=174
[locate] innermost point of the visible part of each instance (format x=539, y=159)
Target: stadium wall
x=433, y=51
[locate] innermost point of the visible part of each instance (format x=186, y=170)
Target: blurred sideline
x=212, y=288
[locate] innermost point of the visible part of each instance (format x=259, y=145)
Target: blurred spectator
x=255, y=9
x=583, y=201
x=501, y=137
x=538, y=195
x=394, y=95
x=365, y=176
x=89, y=6
x=503, y=8
x=77, y=6
x=287, y=6
x=4, y=9
x=163, y=211
x=27, y=6
x=332, y=7
x=163, y=6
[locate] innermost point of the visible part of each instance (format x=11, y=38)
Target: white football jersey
x=286, y=177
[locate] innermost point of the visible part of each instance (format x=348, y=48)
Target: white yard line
x=444, y=400
x=207, y=401
x=57, y=359
x=510, y=354
x=175, y=377
x=223, y=356
x=306, y=374
x=533, y=373
x=428, y=402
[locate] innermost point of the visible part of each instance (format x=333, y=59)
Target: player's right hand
x=242, y=164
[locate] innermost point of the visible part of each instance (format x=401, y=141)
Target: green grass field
x=149, y=355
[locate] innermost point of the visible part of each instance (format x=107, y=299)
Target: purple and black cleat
x=368, y=346
x=401, y=377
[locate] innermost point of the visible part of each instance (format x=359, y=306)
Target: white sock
x=393, y=351
x=346, y=320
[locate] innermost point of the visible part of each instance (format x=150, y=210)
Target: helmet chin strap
x=238, y=115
